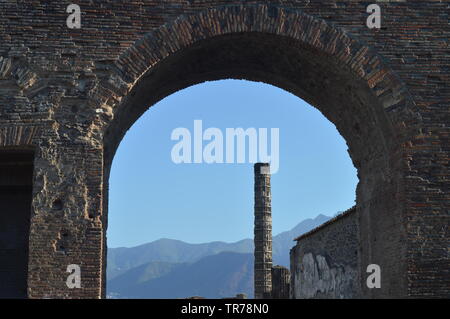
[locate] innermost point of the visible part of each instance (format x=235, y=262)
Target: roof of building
x=330, y=221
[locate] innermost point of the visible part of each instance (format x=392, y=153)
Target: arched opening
x=16, y=179
x=337, y=75
x=149, y=193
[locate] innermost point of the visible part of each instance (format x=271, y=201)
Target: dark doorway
x=16, y=175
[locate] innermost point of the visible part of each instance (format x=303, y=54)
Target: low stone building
x=324, y=262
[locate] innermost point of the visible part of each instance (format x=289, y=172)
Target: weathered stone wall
x=281, y=282
x=71, y=94
x=324, y=262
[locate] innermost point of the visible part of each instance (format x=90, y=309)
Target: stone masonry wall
x=324, y=262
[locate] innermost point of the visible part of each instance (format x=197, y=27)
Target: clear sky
x=151, y=197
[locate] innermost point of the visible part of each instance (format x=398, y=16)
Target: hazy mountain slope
x=137, y=275
x=217, y=276
x=168, y=250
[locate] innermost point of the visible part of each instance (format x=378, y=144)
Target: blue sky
x=151, y=197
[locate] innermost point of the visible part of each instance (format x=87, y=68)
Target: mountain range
x=168, y=268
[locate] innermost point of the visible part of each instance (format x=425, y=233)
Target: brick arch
x=303, y=55
x=311, y=33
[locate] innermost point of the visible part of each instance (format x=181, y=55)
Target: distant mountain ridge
x=168, y=268
x=168, y=250
x=176, y=251
x=216, y=276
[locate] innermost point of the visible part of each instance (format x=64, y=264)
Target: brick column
x=263, y=232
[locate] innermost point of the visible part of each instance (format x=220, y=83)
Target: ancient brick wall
x=324, y=262
x=71, y=94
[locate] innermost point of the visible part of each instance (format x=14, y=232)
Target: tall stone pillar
x=263, y=232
